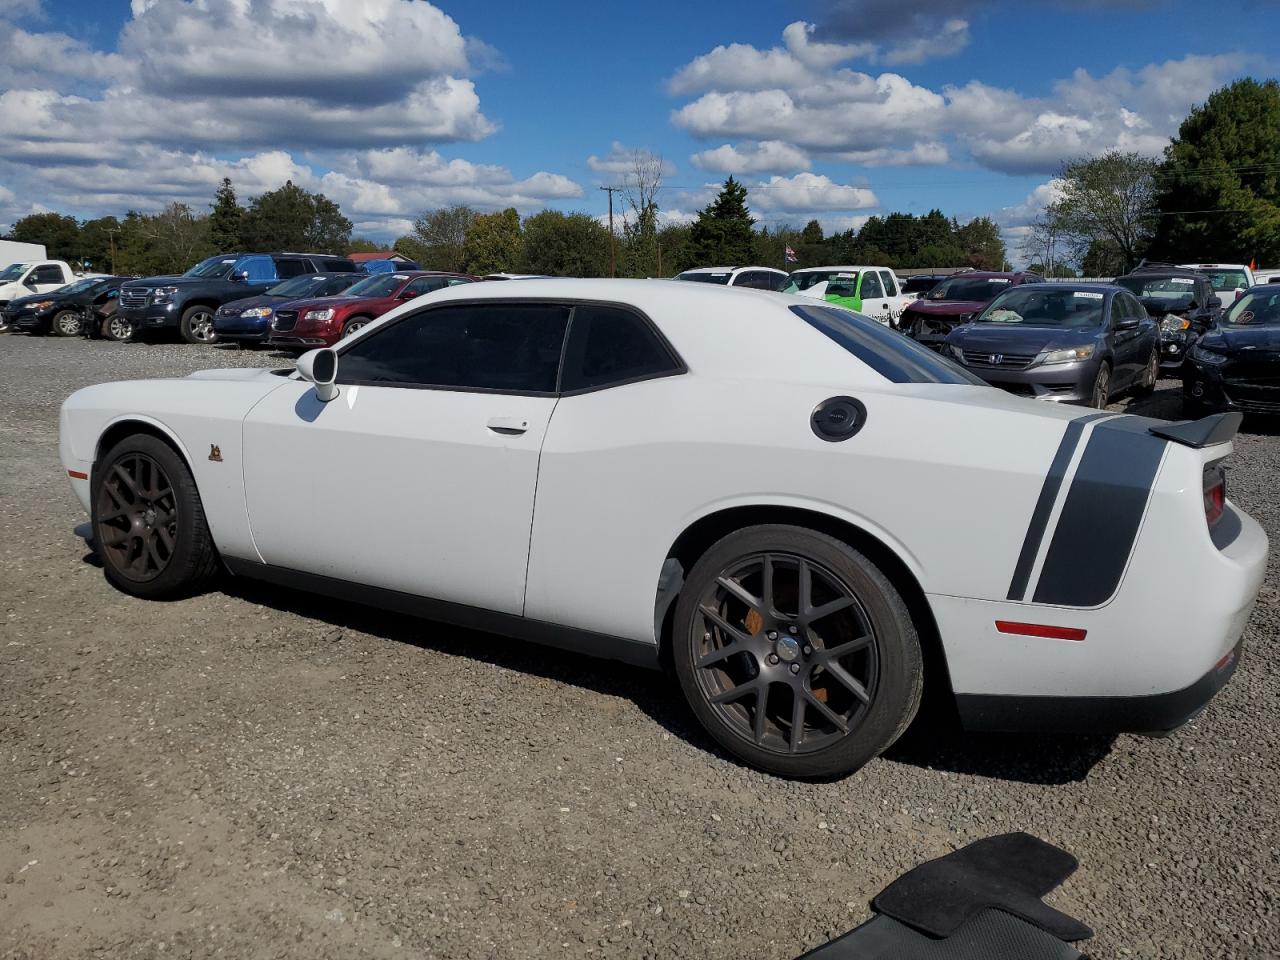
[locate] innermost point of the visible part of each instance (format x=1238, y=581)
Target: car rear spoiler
x=1206, y=432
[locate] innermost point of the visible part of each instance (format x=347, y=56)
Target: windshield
x=1159, y=288
x=1227, y=279
x=76, y=286
x=379, y=285
x=708, y=277
x=13, y=272
x=890, y=354
x=1261, y=309
x=1068, y=308
x=213, y=267
x=804, y=279
x=981, y=289
x=297, y=287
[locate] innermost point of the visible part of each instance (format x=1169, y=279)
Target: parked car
x=188, y=302
x=1181, y=301
x=1261, y=277
x=756, y=278
x=1236, y=364
x=1229, y=280
x=65, y=312
x=249, y=320
x=1072, y=343
x=514, y=276
x=958, y=299
x=921, y=284
x=19, y=280
x=323, y=321
x=872, y=291
x=786, y=550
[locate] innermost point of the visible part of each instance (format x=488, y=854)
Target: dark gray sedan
x=1071, y=343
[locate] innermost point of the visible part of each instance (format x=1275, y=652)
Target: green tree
x=1108, y=198
x=722, y=234
x=178, y=238
x=673, y=249
x=438, y=238
x=226, y=219
x=566, y=245
x=292, y=218
x=981, y=243
x=1219, y=184
x=59, y=234
x=364, y=245
x=97, y=242
x=493, y=243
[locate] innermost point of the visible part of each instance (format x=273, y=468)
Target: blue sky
x=827, y=109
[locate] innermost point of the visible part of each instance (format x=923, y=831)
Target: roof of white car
x=1215, y=266
x=729, y=269
x=850, y=269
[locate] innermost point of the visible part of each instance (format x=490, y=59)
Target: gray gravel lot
x=259, y=773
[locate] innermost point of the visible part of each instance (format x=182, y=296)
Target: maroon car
x=954, y=301
x=322, y=322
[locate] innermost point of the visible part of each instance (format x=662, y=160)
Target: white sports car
x=809, y=517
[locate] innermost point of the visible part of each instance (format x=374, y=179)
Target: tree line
x=1214, y=196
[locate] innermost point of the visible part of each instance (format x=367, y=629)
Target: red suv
x=954, y=301
x=322, y=322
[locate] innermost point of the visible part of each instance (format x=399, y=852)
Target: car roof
x=1215, y=266
x=729, y=269
x=842, y=267
x=1068, y=285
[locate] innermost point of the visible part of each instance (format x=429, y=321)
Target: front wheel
x=1101, y=388
x=196, y=325
x=795, y=652
x=67, y=323
x=148, y=521
x=354, y=325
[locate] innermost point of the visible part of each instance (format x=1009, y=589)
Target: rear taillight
x=1215, y=493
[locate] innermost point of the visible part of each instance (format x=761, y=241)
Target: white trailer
x=11, y=251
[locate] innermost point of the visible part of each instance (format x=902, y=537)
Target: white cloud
x=36, y=59
x=769, y=156
x=19, y=8
x=621, y=160
x=951, y=38
x=807, y=192
x=923, y=154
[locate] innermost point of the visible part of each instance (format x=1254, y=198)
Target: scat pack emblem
x=215, y=453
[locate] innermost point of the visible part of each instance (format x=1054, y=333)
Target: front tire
x=67, y=323
x=148, y=522
x=1101, y=388
x=196, y=325
x=795, y=652
x=354, y=325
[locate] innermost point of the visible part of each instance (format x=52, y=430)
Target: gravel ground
x=260, y=773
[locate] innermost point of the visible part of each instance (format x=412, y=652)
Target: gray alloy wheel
x=67, y=323
x=4, y=321
x=1101, y=388
x=795, y=652
x=353, y=325
x=119, y=329
x=196, y=325
x=1150, y=376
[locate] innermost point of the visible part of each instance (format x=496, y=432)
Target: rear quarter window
x=890, y=354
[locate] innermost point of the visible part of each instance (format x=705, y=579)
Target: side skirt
x=473, y=618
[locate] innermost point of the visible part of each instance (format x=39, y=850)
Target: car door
x=897, y=300
x=420, y=476
x=1126, y=344
x=874, y=302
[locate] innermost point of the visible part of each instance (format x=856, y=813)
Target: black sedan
x=64, y=312
x=1181, y=301
x=1070, y=343
x=1236, y=364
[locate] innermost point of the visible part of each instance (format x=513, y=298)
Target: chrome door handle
x=508, y=426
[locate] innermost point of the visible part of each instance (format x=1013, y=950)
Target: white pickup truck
x=33, y=276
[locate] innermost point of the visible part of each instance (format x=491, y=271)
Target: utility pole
x=613, y=255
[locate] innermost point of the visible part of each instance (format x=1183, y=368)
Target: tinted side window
x=421, y=285
x=46, y=274
x=286, y=268
x=336, y=285
x=890, y=283
x=871, y=287
x=746, y=279
x=777, y=281
x=335, y=265
x=1136, y=309
x=612, y=345
x=513, y=347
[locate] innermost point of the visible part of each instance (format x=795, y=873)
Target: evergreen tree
x=225, y=220
x=722, y=234
x=292, y=218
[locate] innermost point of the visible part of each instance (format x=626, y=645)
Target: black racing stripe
x=1044, y=506
x=1100, y=517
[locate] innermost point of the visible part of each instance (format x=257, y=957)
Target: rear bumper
x=1155, y=714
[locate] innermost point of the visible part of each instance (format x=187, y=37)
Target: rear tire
x=148, y=522
x=117, y=328
x=67, y=323
x=779, y=683
x=196, y=325
x=1147, y=385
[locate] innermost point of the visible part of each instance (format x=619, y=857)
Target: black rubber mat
x=1010, y=873
x=989, y=935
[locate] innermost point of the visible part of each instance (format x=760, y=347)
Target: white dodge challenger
x=808, y=517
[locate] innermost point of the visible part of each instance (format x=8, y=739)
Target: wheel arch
x=126, y=426
x=892, y=560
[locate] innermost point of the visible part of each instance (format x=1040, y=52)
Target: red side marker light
x=1040, y=630
x=77, y=475
x=1225, y=661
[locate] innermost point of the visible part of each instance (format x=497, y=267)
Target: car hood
x=261, y=300
x=241, y=374
x=320, y=303
x=38, y=298
x=1256, y=342
x=170, y=280
x=946, y=308
x=994, y=338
